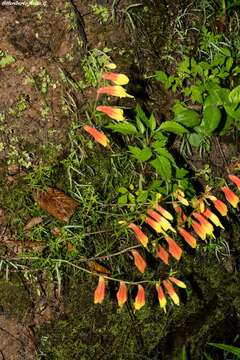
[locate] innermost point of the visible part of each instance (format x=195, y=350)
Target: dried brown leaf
x=56, y=203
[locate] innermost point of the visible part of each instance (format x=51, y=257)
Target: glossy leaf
x=211, y=118
x=173, y=127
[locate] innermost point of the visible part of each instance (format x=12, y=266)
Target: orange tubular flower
x=164, y=223
x=154, y=224
x=214, y=219
x=122, y=294
x=205, y=223
x=139, y=234
x=220, y=206
x=177, y=282
x=164, y=212
x=231, y=197
x=116, y=90
x=140, y=298
x=173, y=248
x=163, y=254
x=112, y=111
x=199, y=229
x=188, y=237
x=235, y=180
x=181, y=215
x=139, y=262
x=118, y=79
x=171, y=292
x=161, y=297
x=97, y=135
x=99, y=293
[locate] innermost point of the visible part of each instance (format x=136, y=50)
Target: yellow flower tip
x=139, y=234
x=171, y=292
x=235, y=179
x=116, y=78
x=213, y=217
x=140, y=298
x=199, y=229
x=111, y=66
x=231, y=197
x=139, y=261
x=98, y=136
x=221, y=207
x=187, y=237
x=161, y=297
x=164, y=212
x=177, y=282
x=154, y=224
x=116, y=90
x=112, y=111
x=99, y=293
x=122, y=294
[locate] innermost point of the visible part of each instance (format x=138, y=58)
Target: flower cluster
x=114, y=112
x=161, y=229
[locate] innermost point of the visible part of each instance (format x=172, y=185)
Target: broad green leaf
x=173, y=127
x=231, y=349
x=140, y=126
x=211, y=119
x=140, y=114
x=141, y=154
x=163, y=167
x=181, y=173
x=229, y=63
x=122, y=190
x=159, y=144
x=188, y=118
x=234, y=95
x=195, y=139
x=196, y=96
x=161, y=76
x=225, y=51
x=164, y=152
x=152, y=122
x=123, y=199
x=124, y=128
x=142, y=196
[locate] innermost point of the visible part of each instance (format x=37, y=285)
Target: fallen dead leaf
x=98, y=268
x=33, y=222
x=56, y=203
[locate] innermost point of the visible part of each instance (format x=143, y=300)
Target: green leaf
x=164, y=152
x=211, y=119
x=163, y=167
x=234, y=95
x=229, y=63
x=122, y=190
x=161, y=76
x=196, y=96
x=173, y=127
x=188, y=118
x=123, y=199
x=140, y=114
x=140, y=126
x=231, y=349
x=124, y=128
x=142, y=196
x=141, y=154
x=152, y=122
x=225, y=51
x=6, y=59
x=208, y=357
x=195, y=139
